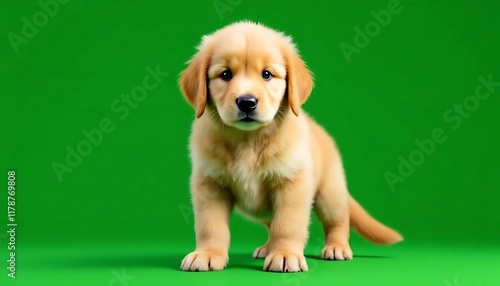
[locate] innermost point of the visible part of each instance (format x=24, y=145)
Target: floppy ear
x=299, y=80
x=193, y=82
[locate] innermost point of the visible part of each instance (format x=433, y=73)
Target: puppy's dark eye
x=267, y=75
x=226, y=75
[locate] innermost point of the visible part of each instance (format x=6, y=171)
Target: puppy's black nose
x=247, y=103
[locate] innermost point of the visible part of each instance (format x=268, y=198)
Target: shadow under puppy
x=255, y=150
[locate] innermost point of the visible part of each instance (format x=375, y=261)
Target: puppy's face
x=246, y=74
x=247, y=81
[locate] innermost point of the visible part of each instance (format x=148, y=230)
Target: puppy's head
x=246, y=75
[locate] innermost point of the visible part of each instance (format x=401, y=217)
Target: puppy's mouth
x=247, y=122
x=247, y=119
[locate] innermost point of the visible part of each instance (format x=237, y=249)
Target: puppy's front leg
x=212, y=209
x=288, y=231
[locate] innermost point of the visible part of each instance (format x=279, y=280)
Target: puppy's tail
x=370, y=228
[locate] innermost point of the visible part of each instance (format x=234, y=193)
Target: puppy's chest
x=248, y=180
x=249, y=187
x=251, y=178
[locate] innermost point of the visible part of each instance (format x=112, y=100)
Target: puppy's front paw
x=285, y=262
x=260, y=252
x=204, y=261
x=336, y=252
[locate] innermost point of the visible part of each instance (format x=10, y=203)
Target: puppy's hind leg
x=331, y=206
x=261, y=251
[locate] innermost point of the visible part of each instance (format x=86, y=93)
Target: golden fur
x=274, y=170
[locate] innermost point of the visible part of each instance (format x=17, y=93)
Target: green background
x=125, y=206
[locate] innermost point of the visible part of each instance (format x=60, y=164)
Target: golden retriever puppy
x=253, y=149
